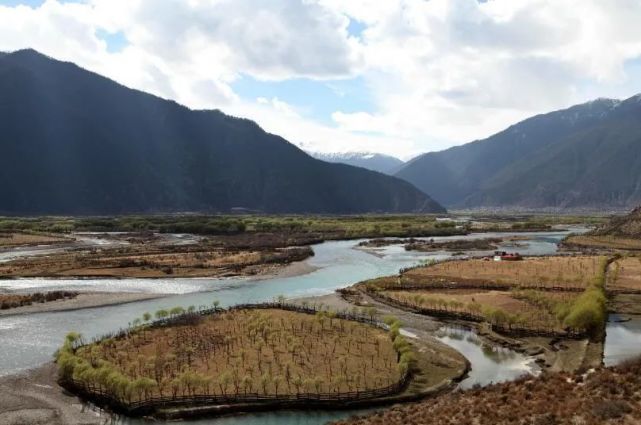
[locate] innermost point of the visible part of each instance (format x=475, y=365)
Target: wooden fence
x=150, y=404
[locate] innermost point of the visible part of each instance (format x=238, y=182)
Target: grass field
x=269, y=352
x=329, y=227
x=533, y=309
x=566, y=272
x=607, y=242
x=625, y=275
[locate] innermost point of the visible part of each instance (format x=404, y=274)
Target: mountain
x=371, y=161
x=586, y=156
x=628, y=226
x=74, y=142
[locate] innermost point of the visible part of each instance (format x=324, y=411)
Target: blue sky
x=399, y=77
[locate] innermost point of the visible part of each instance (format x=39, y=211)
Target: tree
x=265, y=379
x=146, y=316
x=223, y=381
x=247, y=383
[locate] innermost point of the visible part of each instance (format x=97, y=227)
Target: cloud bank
x=438, y=72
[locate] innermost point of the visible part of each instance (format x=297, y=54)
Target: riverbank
x=34, y=398
x=81, y=301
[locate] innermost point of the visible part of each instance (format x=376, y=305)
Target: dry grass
x=152, y=262
x=608, y=396
x=609, y=242
x=20, y=239
x=625, y=275
x=570, y=272
x=252, y=351
x=520, y=307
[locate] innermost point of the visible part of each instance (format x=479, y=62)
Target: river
x=29, y=341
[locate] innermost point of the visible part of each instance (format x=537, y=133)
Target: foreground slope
x=74, y=142
x=605, y=396
x=585, y=156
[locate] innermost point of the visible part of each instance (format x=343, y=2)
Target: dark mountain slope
x=73, y=142
x=584, y=156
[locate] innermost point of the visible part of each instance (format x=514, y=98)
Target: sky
x=399, y=77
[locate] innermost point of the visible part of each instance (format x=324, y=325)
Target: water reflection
x=622, y=341
x=490, y=364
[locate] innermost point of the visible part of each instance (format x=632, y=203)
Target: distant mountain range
x=73, y=142
x=586, y=156
x=372, y=161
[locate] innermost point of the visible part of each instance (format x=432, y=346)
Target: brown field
x=607, y=396
x=564, y=272
x=607, y=242
x=271, y=352
x=8, y=240
x=625, y=275
x=534, y=309
x=142, y=261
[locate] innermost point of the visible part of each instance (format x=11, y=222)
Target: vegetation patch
x=8, y=301
x=606, y=396
x=326, y=227
x=625, y=275
x=560, y=273
x=154, y=261
x=266, y=353
x=604, y=242
x=552, y=296
x=506, y=310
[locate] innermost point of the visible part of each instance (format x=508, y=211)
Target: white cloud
x=441, y=72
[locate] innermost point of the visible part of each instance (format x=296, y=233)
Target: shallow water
x=490, y=364
x=30, y=340
x=622, y=340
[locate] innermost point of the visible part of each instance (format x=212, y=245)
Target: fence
x=149, y=404
x=146, y=405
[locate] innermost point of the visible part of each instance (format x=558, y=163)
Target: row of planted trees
x=550, y=313
x=235, y=353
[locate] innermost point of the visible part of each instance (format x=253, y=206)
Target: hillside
x=586, y=156
x=628, y=226
x=372, y=161
x=74, y=142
